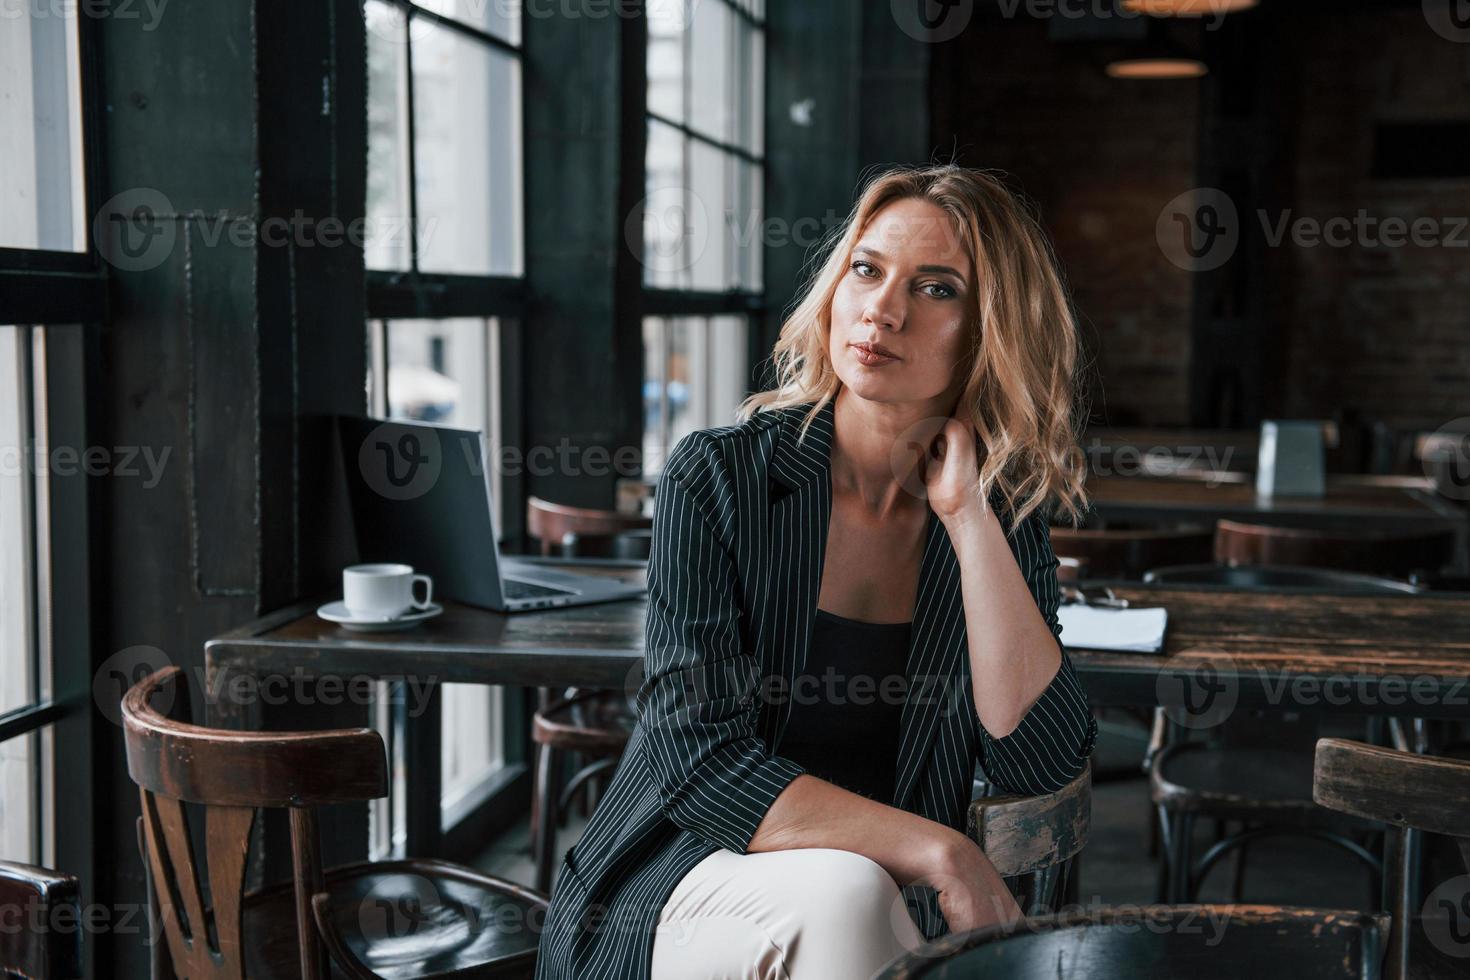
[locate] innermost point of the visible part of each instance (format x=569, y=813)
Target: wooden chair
x=576, y=722
x=1278, y=577
x=1256, y=770
x=1034, y=841
x=1409, y=794
x=596, y=724
x=1225, y=942
x=378, y=919
x=581, y=531
x=32, y=901
x=1128, y=553
x=1393, y=553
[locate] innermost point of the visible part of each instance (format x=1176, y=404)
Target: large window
x=445, y=288
x=50, y=281
x=25, y=681
x=702, y=221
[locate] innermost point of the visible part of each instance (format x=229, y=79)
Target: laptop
x=420, y=494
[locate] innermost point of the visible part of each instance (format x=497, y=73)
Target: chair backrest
x=1408, y=792
x=36, y=907
x=1375, y=552
x=1279, y=577
x=1035, y=836
x=562, y=529
x=230, y=774
x=1129, y=553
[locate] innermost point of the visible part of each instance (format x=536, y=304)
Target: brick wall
x=1382, y=331
x=1100, y=158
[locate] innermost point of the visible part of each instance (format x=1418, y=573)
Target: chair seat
x=1201, y=942
x=591, y=721
x=1274, y=785
x=404, y=919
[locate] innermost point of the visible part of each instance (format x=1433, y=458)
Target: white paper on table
x=1123, y=630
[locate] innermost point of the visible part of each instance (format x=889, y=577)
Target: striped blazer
x=739, y=538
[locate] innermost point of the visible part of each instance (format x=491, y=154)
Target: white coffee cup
x=383, y=591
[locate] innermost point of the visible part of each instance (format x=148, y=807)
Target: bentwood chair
x=1035, y=842
x=1253, y=775
x=389, y=919
x=1129, y=552
x=581, y=531
x=1408, y=793
x=1392, y=553
x=40, y=923
x=589, y=726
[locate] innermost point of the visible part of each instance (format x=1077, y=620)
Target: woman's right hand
x=971, y=893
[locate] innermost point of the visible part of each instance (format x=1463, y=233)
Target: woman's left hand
x=950, y=471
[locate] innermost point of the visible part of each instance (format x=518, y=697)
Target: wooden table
x=1388, y=503
x=1257, y=641
x=1405, y=656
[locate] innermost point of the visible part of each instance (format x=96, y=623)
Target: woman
x=880, y=516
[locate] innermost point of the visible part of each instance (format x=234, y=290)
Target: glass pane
x=20, y=794
x=501, y=18
x=685, y=373
x=467, y=153
x=437, y=372
x=387, y=240
x=675, y=224
x=655, y=446
x=472, y=746
x=712, y=179
x=695, y=374
x=42, y=204
x=727, y=367
x=18, y=680
x=710, y=357
x=712, y=109
x=667, y=36
x=749, y=221
x=753, y=66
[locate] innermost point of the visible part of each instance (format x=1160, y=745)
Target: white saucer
x=336, y=612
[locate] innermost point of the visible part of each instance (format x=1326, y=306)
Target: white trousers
x=806, y=914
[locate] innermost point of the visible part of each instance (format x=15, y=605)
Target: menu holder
x=1090, y=627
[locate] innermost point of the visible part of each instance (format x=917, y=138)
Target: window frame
x=428, y=825
x=65, y=295
x=667, y=302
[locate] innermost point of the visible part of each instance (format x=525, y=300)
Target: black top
x=847, y=704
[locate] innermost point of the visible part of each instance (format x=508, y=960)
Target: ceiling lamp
x=1157, y=57
x=1187, y=8
x=1160, y=66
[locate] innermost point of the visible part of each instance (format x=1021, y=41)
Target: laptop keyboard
x=525, y=590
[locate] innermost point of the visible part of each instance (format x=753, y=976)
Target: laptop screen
x=421, y=495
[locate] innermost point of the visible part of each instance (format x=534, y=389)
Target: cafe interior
x=342, y=342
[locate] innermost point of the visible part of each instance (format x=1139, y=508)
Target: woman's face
x=898, y=316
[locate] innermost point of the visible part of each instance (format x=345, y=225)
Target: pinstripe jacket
x=739, y=537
